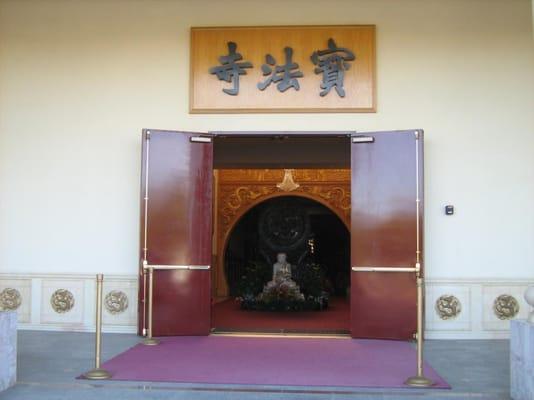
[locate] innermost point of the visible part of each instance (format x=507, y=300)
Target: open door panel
x=176, y=231
x=386, y=232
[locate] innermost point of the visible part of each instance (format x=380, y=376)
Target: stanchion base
x=150, y=342
x=97, y=373
x=419, y=381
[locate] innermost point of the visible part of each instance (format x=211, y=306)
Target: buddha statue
x=281, y=269
x=282, y=284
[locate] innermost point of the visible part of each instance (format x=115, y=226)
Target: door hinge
x=363, y=139
x=200, y=139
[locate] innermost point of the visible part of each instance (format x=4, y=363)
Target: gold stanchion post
x=149, y=340
x=97, y=372
x=419, y=380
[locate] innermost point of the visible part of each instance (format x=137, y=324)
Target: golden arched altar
x=239, y=190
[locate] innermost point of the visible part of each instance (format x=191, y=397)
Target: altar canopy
x=386, y=229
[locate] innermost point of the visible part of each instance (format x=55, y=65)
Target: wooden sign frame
x=254, y=43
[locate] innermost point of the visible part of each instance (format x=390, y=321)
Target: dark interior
x=258, y=151
x=304, y=229
x=315, y=239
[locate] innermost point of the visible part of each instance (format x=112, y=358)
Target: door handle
x=200, y=139
x=415, y=269
x=183, y=267
x=363, y=139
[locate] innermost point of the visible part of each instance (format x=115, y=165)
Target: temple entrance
x=313, y=297
x=218, y=208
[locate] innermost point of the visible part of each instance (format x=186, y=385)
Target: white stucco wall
x=79, y=79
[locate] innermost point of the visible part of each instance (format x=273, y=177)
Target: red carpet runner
x=271, y=361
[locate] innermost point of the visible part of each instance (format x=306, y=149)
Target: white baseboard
x=476, y=319
x=65, y=328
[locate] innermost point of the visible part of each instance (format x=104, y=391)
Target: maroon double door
x=386, y=231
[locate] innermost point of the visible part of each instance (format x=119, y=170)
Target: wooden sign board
x=335, y=72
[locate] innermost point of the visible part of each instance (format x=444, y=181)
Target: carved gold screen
x=238, y=190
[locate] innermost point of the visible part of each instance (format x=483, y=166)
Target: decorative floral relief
x=338, y=197
x=448, y=306
x=62, y=301
x=505, y=307
x=232, y=199
x=10, y=299
x=116, y=302
x=274, y=175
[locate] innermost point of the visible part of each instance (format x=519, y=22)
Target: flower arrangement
x=283, y=295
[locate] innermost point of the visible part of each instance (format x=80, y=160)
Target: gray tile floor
x=49, y=362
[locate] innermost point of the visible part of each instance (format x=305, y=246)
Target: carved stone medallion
x=10, y=299
x=284, y=225
x=505, y=307
x=62, y=301
x=448, y=306
x=116, y=302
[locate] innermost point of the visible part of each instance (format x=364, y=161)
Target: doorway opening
x=313, y=296
x=201, y=184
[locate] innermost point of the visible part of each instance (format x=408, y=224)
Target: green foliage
x=310, y=278
x=256, y=275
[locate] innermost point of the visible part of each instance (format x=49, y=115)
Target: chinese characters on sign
x=331, y=63
x=283, y=69
x=229, y=70
x=281, y=73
